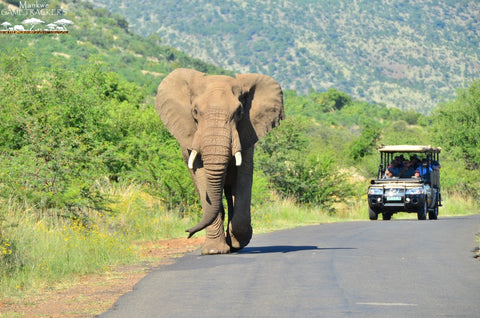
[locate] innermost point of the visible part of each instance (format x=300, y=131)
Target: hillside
x=97, y=35
x=407, y=54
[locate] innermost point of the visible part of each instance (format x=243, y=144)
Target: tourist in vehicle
x=408, y=169
x=389, y=174
x=415, y=161
x=435, y=165
x=393, y=170
x=426, y=168
x=417, y=173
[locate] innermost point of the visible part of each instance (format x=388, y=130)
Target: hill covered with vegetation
x=406, y=54
x=100, y=34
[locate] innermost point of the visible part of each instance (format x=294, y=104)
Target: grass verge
x=39, y=250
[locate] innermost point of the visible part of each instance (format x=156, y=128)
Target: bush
x=63, y=130
x=308, y=178
x=456, y=125
x=366, y=142
x=456, y=128
x=50, y=152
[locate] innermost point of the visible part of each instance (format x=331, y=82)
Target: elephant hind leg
x=215, y=238
x=239, y=237
x=238, y=233
x=239, y=194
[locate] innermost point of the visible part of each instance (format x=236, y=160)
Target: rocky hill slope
x=407, y=54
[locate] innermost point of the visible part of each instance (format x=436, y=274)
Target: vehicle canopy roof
x=409, y=148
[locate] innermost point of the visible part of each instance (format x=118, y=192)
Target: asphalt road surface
x=400, y=268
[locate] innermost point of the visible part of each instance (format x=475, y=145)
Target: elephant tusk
x=238, y=159
x=191, y=159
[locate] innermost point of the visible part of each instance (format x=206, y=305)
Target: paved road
x=402, y=268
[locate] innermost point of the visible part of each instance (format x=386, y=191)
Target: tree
x=365, y=143
x=62, y=132
x=331, y=100
x=456, y=125
x=309, y=178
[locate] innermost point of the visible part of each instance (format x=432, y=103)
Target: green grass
x=286, y=214
x=37, y=250
x=457, y=204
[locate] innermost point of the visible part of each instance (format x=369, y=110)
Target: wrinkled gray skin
x=219, y=118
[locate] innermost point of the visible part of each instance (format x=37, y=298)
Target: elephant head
x=216, y=119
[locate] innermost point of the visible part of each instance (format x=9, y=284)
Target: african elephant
x=217, y=119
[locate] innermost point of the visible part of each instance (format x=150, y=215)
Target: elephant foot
x=215, y=246
x=239, y=239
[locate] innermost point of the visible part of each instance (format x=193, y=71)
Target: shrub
x=63, y=130
x=308, y=178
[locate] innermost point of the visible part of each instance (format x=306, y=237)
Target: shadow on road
x=286, y=249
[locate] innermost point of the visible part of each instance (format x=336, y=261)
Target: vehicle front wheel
x=372, y=214
x=386, y=216
x=422, y=211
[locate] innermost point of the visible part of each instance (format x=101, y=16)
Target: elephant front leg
x=215, y=242
x=239, y=226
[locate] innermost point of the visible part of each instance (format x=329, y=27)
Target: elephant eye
x=195, y=112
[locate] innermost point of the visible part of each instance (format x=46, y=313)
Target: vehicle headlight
x=414, y=191
x=378, y=191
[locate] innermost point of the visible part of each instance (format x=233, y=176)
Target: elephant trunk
x=212, y=203
x=216, y=152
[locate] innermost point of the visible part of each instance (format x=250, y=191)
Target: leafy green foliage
x=456, y=125
x=365, y=143
x=49, y=145
x=64, y=131
x=308, y=178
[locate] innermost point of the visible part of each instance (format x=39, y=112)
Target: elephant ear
x=173, y=103
x=263, y=107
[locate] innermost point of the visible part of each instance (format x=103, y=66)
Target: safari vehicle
x=393, y=191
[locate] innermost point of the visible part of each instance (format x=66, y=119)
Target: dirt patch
x=91, y=295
